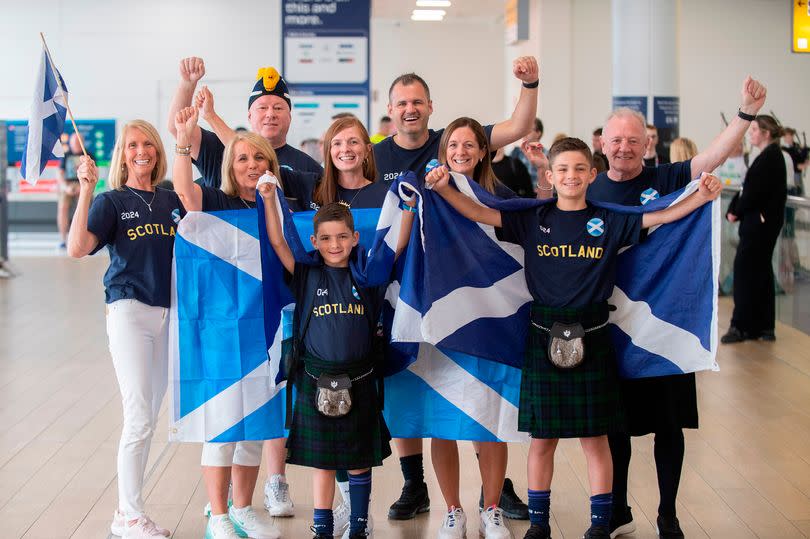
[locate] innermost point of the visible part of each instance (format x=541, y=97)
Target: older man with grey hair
x=666, y=404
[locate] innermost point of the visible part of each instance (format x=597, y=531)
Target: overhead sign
x=801, y=26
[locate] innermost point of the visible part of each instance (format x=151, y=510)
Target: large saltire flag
x=463, y=301
x=46, y=122
x=222, y=376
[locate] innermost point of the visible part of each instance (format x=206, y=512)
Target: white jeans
x=226, y=454
x=139, y=347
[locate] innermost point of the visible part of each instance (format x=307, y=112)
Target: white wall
x=120, y=59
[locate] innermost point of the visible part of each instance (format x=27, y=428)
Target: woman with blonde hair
x=136, y=222
x=682, y=149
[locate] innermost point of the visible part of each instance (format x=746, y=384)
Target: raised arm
x=406, y=226
x=753, y=97
x=439, y=180
x=708, y=190
x=80, y=240
x=185, y=122
x=205, y=102
x=192, y=70
x=534, y=153
x=520, y=123
x=272, y=221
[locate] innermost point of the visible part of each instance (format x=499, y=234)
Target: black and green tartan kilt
x=570, y=403
x=358, y=440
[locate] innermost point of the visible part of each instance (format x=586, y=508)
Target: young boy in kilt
x=336, y=324
x=570, y=264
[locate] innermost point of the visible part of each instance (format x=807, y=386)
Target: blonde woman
x=136, y=222
x=682, y=149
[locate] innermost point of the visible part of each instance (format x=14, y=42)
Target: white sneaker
x=454, y=525
x=144, y=528
x=118, y=524
x=220, y=527
x=248, y=523
x=341, y=515
x=277, y=497
x=492, y=524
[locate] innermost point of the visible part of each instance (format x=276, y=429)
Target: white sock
x=240, y=511
x=278, y=478
x=344, y=491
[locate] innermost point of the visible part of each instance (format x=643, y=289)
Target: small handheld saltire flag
x=221, y=382
x=467, y=296
x=46, y=122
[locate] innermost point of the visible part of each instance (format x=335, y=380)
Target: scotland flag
x=46, y=122
x=465, y=302
x=222, y=385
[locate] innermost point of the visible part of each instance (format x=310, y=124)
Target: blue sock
x=324, y=522
x=601, y=507
x=412, y=468
x=359, y=492
x=539, y=507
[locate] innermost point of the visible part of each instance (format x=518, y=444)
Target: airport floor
x=747, y=469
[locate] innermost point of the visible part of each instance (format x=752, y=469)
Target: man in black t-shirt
x=663, y=405
x=269, y=114
x=411, y=148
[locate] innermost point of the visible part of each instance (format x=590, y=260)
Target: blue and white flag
x=466, y=304
x=222, y=384
x=46, y=122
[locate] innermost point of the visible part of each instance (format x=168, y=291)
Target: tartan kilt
x=570, y=403
x=358, y=440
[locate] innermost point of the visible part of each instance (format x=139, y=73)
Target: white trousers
x=139, y=345
x=226, y=454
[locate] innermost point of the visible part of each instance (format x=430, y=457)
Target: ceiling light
x=432, y=3
x=427, y=14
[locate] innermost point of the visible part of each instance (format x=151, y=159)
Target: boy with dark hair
x=337, y=423
x=569, y=385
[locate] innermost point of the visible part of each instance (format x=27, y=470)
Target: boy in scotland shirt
x=570, y=252
x=334, y=316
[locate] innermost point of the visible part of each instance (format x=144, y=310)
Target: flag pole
x=64, y=93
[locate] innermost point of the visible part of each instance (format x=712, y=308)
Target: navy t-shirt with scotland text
x=140, y=242
x=570, y=256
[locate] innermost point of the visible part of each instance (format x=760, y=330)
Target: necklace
x=148, y=204
x=245, y=203
x=349, y=204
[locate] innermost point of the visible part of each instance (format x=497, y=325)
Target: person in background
x=760, y=209
x=385, y=129
x=313, y=147
x=513, y=174
x=599, y=159
x=533, y=137
x=682, y=149
x=68, y=185
x=651, y=157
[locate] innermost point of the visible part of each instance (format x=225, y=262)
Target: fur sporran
x=333, y=397
x=566, y=345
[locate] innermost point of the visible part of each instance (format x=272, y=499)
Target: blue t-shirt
x=392, y=160
x=140, y=242
x=297, y=191
x=653, y=182
x=209, y=160
x=370, y=196
x=570, y=256
x=339, y=328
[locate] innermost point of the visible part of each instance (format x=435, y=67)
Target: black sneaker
x=536, y=531
x=597, y=532
x=669, y=528
x=510, y=503
x=733, y=335
x=319, y=535
x=413, y=500
x=621, y=523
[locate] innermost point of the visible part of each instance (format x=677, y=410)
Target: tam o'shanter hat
x=269, y=82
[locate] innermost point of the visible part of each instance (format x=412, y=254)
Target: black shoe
x=621, y=523
x=597, y=532
x=510, y=503
x=669, y=528
x=536, y=531
x=733, y=335
x=319, y=535
x=358, y=535
x=413, y=500
x=767, y=336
